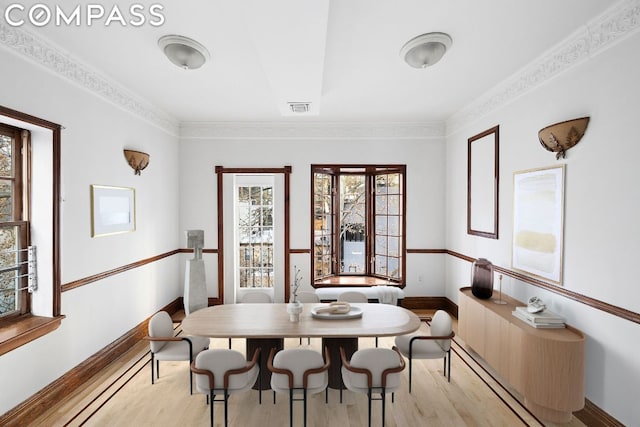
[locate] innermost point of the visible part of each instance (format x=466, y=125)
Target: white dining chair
x=307, y=297
x=299, y=371
x=355, y=296
x=225, y=372
x=165, y=346
x=436, y=345
x=373, y=370
x=254, y=298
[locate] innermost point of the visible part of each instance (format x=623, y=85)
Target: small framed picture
x=113, y=210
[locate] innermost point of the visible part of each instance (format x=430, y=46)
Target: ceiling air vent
x=299, y=107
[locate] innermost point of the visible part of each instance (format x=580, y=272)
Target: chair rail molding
x=591, y=302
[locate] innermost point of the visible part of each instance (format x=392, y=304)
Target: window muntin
x=388, y=230
x=254, y=206
x=7, y=175
x=323, y=225
x=358, y=221
x=14, y=298
x=353, y=222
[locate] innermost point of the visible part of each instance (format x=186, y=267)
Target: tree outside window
x=14, y=299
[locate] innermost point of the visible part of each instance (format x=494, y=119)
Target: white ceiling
x=342, y=54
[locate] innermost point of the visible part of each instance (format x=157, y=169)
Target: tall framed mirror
x=482, y=183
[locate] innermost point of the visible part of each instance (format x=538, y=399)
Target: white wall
x=601, y=217
x=178, y=192
x=425, y=191
x=95, y=134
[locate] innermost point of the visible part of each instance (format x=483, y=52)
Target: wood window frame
x=20, y=153
x=19, y=330
x=369, y=278
x=220, y=171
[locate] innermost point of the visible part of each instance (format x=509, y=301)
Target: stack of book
x=543, y=319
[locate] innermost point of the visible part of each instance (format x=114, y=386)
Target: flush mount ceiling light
x=183, y=51
x=425, y=50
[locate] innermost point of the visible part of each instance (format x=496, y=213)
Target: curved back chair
x=307, y=297
x=299, y=370
x=165, y=346
x=353, y=296
x=256, y=297
x=373, y=370
x=225, y=372
x=437, y=345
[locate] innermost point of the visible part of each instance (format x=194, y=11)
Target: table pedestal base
x=350, y=346
x=266, y=344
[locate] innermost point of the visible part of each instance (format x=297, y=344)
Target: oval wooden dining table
x=266, y=326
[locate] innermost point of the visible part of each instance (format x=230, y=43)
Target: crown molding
x=306, y=130
x=58, y=61
x=612, y=26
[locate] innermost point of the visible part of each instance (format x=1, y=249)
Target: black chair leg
x=211, y=399
x=449, y=366
x=290, y=408
x=369, y=398
x=410, y=369
x=190, y=378
x=226, y=399
x=152, y=368
x=304, y=404
x=444, y=365
x=260, y=385
x=383, y=405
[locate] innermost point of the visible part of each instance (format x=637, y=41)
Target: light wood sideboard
x=546, y=366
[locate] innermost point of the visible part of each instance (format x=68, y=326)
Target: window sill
x=24, y=329
x=347, y=281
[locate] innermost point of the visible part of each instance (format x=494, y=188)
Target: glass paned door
x=323, y=218
x=388, y=227
x=353, y=232
x=255, y=236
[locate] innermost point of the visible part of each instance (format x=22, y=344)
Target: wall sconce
x=561, y=136
x=137, y=160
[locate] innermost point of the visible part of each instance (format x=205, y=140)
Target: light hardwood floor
x=122, y=395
